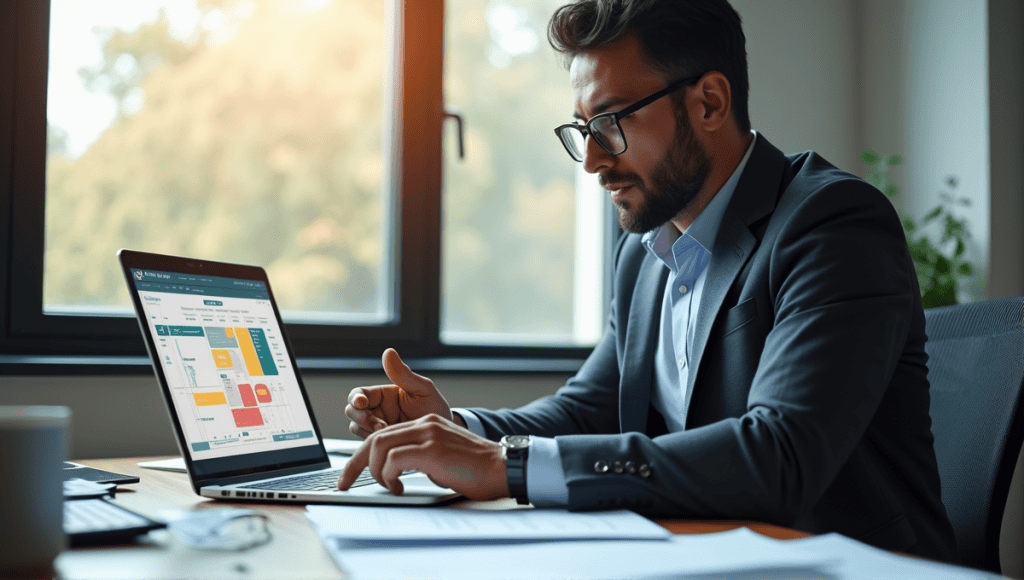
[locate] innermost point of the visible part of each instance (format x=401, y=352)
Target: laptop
x=241, y=414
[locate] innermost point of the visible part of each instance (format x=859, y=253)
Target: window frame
x=417, y=123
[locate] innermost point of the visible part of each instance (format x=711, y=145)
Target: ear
x=710, y=102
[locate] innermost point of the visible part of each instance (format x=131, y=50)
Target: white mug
x=33, y=447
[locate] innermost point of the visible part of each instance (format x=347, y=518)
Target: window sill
x=27, y=365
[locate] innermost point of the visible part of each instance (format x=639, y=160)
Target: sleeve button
x=601, y=467
x=630, y=467
x=645, y=470
x=617, y=466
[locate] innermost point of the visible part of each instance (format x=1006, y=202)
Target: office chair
x=976, y=369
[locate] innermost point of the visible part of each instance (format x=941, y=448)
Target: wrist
x=515, y=451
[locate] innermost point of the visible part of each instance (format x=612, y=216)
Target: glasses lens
x=608, y=135
x=573, y=140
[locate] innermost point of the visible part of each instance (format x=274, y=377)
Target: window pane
x=237, y=130
x=524, y=230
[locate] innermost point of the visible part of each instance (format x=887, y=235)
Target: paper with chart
x=222, y=352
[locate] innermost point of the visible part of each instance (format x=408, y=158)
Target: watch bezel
x=515, y=442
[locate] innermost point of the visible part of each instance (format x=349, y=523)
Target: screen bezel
x=213, y=471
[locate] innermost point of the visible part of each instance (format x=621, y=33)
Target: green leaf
x=894, y=160
x=965, y=269
x=909, y=227
x=890, y=190
x=933, y=214
x=959, y=251
x=952, y=181
x=869, y=157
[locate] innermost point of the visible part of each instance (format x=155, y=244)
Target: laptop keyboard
x=320, y=481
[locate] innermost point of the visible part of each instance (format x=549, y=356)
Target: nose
x=595, y=158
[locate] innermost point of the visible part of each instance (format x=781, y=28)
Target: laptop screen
x=229, y=375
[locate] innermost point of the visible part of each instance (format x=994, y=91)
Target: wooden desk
x=294, y=552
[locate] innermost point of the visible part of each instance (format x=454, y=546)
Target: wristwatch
x=514, y=450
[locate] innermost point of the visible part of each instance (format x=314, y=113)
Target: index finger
x=354, y=466
x=373, y=396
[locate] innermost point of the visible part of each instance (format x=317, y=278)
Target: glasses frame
x=587, y=130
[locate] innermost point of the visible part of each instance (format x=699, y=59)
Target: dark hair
x=679, y=37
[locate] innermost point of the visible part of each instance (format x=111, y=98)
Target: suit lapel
x=755, y=197
x=641, y=343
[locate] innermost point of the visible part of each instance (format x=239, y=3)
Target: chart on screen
x=230, y=377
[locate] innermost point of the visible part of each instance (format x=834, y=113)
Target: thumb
x=401, y=375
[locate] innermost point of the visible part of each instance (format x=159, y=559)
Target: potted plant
x=941, y=266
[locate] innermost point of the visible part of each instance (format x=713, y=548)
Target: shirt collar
x=704, y=229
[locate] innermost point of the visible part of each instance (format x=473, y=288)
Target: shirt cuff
x=545, y=479
x=472, y=422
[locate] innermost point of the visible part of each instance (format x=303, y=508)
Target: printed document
x=433, y=524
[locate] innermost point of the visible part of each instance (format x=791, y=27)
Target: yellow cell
x=229, y=332
x=211, y=398
x=252, y=361
x=221, y=358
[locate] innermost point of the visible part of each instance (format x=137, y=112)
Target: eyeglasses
x=605, y=128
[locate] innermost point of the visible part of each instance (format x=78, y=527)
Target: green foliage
x=941, y=265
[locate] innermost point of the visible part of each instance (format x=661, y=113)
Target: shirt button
x=683, y=289
x=682, y=362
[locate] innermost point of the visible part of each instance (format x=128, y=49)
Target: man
x=764, y=356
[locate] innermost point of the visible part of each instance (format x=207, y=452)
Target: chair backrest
x=976, y=369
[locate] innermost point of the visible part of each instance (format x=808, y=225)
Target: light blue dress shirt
x=686, y=255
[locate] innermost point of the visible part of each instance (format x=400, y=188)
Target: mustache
x=616, y=177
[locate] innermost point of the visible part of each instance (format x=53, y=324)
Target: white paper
x=434, y=524
x=735, y=554
x=860, y=560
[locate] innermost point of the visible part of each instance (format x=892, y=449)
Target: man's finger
x=358, y=431
x=402, y=375
x=384, y=441
x=369, y=420
x=366, y=397
x=355, y=465
x=400, y=459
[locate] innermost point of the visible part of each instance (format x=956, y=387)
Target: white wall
x=802, y=56
x=924, y=89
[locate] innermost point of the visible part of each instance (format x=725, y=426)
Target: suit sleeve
x=840, y=284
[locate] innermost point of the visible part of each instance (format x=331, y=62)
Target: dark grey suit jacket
x=808, y=396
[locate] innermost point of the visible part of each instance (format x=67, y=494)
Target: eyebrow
x=603, y=106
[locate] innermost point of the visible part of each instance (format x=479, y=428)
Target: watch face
x=516, y=441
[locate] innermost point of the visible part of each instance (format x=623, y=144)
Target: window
x=306, y=136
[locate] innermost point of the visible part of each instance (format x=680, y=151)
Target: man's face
x=664, y=165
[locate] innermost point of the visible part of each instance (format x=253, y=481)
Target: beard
x=674, y=183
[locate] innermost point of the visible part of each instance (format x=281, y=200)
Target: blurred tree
x=510, y=207
x=258, y=137
x=263, y=147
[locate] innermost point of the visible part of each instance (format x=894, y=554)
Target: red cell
x=247, y=417
x=248, y=399
x=262, y=393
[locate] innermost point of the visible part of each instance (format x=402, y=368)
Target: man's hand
x=410, y=397
x=449, y=455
